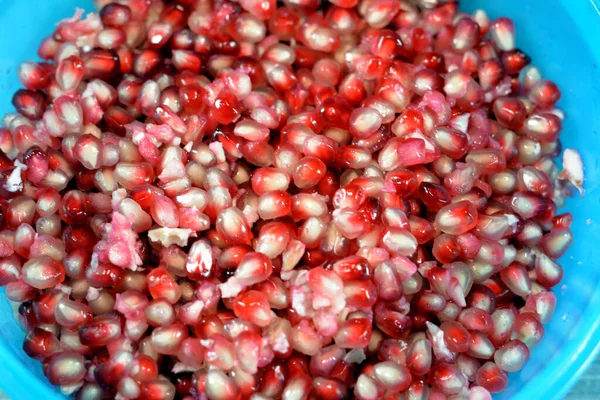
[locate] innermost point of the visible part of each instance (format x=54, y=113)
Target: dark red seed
x=31, y=104
x=100, y=330
x=103, y=64
x=514, y=61
x=116, y=118
x=79, y=237
x=146, y=62
x=336, y=112
x=40, y=344
x=433, y=196
x=114, y=14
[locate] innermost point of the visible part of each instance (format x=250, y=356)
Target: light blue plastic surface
x=563, y=39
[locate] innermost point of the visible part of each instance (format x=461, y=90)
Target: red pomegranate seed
x=34, y=76
x=71, y=314
x=70, y=72
x=456, y=218
x=456, y=336
x=144, y=368
x=510, y=112
x=503, y=320
x=514, y=61
x=503, y=34
x=528, y=329
x=475, y=319
x=492, y=378
x=67, y=368
x=43, y=272
x=445, y=248
x=254, y=307
x=516, y=278
x=360, y=294
x=447, y=379
x=100, y=330
x=168, y=339
x=511, y=356
x=101, y=64
x=40, y=344
x=114, y=14
x=30, y=103
x=480, y=347
x=19, y=291
x=162, y=285
x=545, y=94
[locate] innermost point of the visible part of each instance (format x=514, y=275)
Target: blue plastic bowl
x=561, y=36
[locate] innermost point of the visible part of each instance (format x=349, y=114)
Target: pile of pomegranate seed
x=309, y=200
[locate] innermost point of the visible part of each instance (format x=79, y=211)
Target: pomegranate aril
x=115, y=14
x=481, y=297
x=399, y=241
x=67, y=368
x=89, y=151
x=30, y=103
x=43, y=272
x=445, y=248
x=528, y=329
x=143, y=368
x=456, y=336
x=105, y=275
x=434, y=196
x=273, y=239
x=480, y=346
x=71, y=314
x=466, y=35
x=34, y=76
x=360, y=294
x=19, y=291
x=490, y=377
x=392, y=376
x=323, y=363
x=233, y=226
x=475, y=319
x=254, y=307
x=516, y=278
x=511, y=356
x=168, y=339
x=429, y=302
x=253, y=268
x=514, y=61
x=40, y=344
x=350, y=223
x=159, y=312
x=101, y=64
x=309, y=171
x=130, y=175
x=556, y=242
x=547, y=272
x=544, y=94
x=100, y=330
x=456, y=218
x=325, y=388
x=162, y=285
x=447, y=379
x=368, y=388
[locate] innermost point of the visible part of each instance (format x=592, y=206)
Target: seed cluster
x=299, y=200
